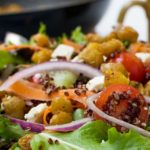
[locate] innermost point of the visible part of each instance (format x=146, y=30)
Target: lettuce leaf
x=78, y=36
x=7, y=58
x=92, y=136
x=9, y=131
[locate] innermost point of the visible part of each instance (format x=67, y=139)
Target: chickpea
x=14, y=106
x=61, y=118
x=93, y=37
x=127, y=33
x=92, y=55
x=111, y=46
x=147, y=89
x=61, y=104
x=41, y=56
x=114, y=67
x=24, y=142
x=40, y=40
x=115, y=77
x=112, y=35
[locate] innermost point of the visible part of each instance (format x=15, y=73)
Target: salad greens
x=42, y=28
x=96, y=135
x=8, y=58
x=78, y=36
x=9, y=132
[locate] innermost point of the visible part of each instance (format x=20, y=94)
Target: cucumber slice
x=64, y=79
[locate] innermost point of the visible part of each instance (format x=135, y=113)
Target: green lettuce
x=78, y=36
x=9, y=132
x=8, y=58
x=92, y=136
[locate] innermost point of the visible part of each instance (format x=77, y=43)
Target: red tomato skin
x=143, y=116
x=134, y=65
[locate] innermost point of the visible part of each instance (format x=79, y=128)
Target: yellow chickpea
x=127, y=33
x=92, y=55
x=61, y=118
x=40, y=40
x=41, y=56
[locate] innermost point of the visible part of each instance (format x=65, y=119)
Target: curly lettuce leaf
x=78, y=36
x=7, y=58
x=9, y=131
x=92, y=136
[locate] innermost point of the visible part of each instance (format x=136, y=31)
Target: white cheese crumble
x=63, y=51
x=95, y=84
x=35, y=111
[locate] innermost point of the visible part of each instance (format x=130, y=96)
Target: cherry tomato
x=124, y=102
x=133, y=65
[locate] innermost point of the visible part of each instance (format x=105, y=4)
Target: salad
x=75, y=92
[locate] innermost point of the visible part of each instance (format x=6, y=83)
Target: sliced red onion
x=69, y=126
x=91, y=105
x=147, y=99
x=51, y=66
x=35, y=127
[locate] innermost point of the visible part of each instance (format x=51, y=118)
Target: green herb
x=8, y=58
x=78, y=36
x=93, y=136
x=126, y=43
x=9, y=131
x=42, y=28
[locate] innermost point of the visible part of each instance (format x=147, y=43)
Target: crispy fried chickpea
x=41, y=56
x=111, y=46
x=127, y=33
x=112, y=35
x=115, y=77
x=61, y=104
x=147, y=89
x=61, y=118
x=92, y=55
x=14, y=106
x=40, y=40
x=114, y=67
x=93, y=37
x=24, y=142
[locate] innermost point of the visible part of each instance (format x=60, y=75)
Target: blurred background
x=24, y=16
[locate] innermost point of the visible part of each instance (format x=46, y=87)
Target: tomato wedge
x=133, y=65
x=124, y=102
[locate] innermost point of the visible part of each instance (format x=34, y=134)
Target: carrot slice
x=31, y=91
x=47, y=111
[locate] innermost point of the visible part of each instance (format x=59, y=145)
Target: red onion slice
x=69, y=126
x=35, y=127
x=122, y=123
x=51, y=66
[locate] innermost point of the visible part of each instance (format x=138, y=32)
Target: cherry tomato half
x=124, y=102
x=133, y=65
